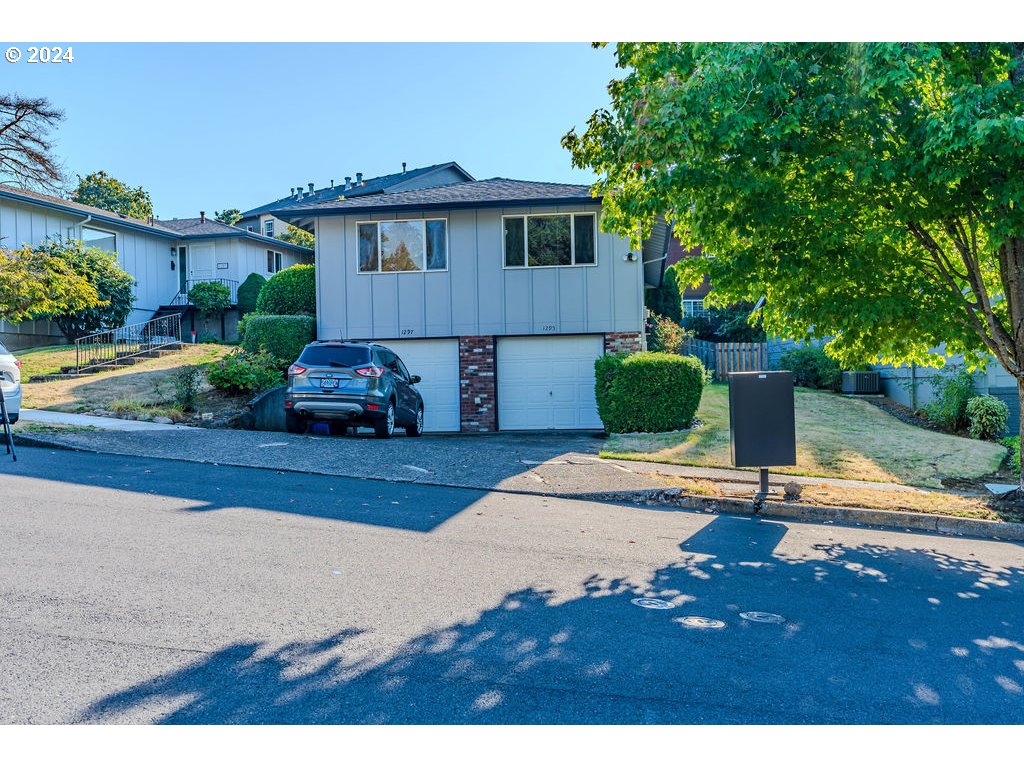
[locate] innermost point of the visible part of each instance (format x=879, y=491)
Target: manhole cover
x=700, y=622
x=762, y=617
x=651, y=602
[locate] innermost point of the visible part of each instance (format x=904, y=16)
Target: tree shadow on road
x=869, y=634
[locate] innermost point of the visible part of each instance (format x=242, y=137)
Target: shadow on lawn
x=871, y=634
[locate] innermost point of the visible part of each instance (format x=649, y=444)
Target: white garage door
x=436, y=361
x=547, y=382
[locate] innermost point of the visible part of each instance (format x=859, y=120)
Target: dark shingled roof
x=469, y=194
x=372, y=186
x=201, y=227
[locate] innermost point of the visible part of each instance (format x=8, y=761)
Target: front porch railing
x=118, y=344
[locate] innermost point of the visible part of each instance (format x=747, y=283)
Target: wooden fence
x=729, y=357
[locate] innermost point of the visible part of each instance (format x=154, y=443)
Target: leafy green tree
x=732, y=323
x=35, y=283
x=209, y=298
x=110, y=194
x=871, y=192
x=297, y=236
x=114, y=286
x=229, y=216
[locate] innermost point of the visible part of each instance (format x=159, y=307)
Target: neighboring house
x=164, y=257
x=263, y=221
x=692, y=299
x=499, y=293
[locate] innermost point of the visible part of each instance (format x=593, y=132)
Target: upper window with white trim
x=416, y=245
x=550, y=240
x=99, y=238
x=268, y=227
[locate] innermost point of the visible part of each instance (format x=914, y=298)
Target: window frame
x=526, y=240
x=277, y=258
x=380, y=260
x=81, y=235
x=268, y=224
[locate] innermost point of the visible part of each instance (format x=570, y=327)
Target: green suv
x=351, y=383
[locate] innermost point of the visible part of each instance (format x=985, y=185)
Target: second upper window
x=556, y=240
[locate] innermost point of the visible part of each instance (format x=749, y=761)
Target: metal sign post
x=762, y=422
x=8, y=432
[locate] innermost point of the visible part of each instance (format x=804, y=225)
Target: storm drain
x=651, y=602
x=762, y=617
x=700, y=622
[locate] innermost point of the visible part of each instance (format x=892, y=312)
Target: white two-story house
x=499, y=293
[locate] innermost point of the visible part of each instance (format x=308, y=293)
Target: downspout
x=80, y=224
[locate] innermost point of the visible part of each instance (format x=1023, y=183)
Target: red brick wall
x=622, y=342
x=477, y=385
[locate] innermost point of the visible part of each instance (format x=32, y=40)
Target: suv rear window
x=344, y=357
x=3, y=349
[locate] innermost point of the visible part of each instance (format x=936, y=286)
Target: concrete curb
x=916, y=521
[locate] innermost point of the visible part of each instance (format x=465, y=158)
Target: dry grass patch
x=836, y=437
x=133, y=389
x=42, y=361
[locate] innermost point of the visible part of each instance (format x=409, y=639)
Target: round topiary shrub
x=986, y=416
x=283, y=336
x=291, y=291
x=249, y=292
x=648, y=391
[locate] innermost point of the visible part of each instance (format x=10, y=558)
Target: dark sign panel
x=762, y=429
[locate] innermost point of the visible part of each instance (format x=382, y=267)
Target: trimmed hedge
x=291, y=291
x=242, y=373
x=283, y=336
x=648, y=391
x=812, y=368
x=987, y=417
x=249, y=292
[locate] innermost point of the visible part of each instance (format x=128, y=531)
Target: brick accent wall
x=622, y=342
x=478, y=389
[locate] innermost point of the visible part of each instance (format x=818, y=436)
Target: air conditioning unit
x=861, y=383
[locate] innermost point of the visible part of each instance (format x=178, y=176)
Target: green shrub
x=667, y=335
x=291, y=291
x=812, y=368
x=210, y=298
x=949, y=408
x=242, y=373
x=187, y=381
x=1013, y=443
x=986, y=417
x=648, y=391
x=282, y=336
x=249, y=292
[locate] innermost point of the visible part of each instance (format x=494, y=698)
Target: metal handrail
x=116, y=344
x=181, y=297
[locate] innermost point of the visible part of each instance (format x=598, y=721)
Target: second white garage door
x=547, y=382
x=436, y=361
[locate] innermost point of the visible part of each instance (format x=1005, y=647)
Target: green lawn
x=836, y=437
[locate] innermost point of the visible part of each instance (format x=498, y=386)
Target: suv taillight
x=370, y=371
x=18, y=363
x=296, y=370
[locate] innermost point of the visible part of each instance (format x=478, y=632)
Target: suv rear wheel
x=385, y=426
x=416, y=429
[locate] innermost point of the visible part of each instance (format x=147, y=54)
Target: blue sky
x=211, y=126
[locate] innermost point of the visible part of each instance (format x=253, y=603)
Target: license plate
x=328, y=383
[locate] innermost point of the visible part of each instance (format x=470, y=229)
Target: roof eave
x=312, y=212
x=106, y=219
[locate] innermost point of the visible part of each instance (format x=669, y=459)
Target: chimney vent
x=292, y=193
x=298, y=192
x=348, y=182
x=311, y=187
x=332, y=183
x=403, y=167
x=202, y=217
x=359, y=178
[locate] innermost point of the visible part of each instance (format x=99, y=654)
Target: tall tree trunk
x=1020, y=427
x=1012, y=266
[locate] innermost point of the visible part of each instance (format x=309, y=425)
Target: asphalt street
x=140, y=590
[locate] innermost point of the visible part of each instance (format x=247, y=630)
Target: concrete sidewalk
x=33, y=416
x=564, y=464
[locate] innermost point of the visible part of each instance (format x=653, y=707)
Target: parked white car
x=10, y=382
